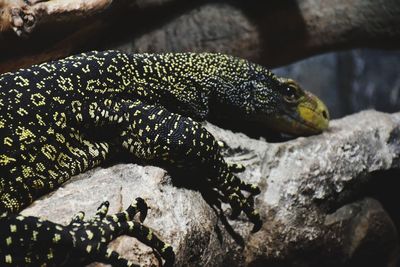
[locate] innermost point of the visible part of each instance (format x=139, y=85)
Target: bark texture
x=272, y=33
x=315, y=201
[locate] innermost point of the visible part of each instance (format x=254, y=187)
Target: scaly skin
x=64, y=117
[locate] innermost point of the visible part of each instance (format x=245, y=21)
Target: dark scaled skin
x=61, y=118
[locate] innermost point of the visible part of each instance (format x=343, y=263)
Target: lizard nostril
x=325, y=114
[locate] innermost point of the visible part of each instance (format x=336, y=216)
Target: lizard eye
x=290, y=94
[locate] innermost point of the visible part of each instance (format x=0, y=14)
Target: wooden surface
x=273, y=33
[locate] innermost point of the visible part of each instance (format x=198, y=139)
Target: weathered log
x=272, y=32
x=314, y=201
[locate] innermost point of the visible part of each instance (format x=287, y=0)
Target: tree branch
x=273, y=33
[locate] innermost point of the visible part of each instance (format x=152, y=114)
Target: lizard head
x=275, y=103
x=247, y=92
x=285, y=107
x=300, y=112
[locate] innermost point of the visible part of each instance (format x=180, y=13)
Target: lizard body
x=64, y=117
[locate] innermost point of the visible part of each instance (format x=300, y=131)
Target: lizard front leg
x=153, y=133
x=30, y=241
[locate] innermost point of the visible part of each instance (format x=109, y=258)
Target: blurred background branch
x=273, y=32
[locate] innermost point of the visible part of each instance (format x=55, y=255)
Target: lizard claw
x=102, y=210
x=257, y=225
x=142, y=207
x=236, y=206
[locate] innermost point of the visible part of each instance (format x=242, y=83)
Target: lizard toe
x=78, y=217
x=236, y=167
x=102, y=210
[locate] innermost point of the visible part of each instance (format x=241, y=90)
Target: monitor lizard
x=61, y=118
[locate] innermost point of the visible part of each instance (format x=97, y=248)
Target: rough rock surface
x=312, y=201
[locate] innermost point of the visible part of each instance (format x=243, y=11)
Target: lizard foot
x=91, y=237
x=231, y=188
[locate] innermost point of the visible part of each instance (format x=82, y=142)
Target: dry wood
x=271, y=32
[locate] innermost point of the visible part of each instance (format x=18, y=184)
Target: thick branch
x=23, y=16
x=273, y=33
